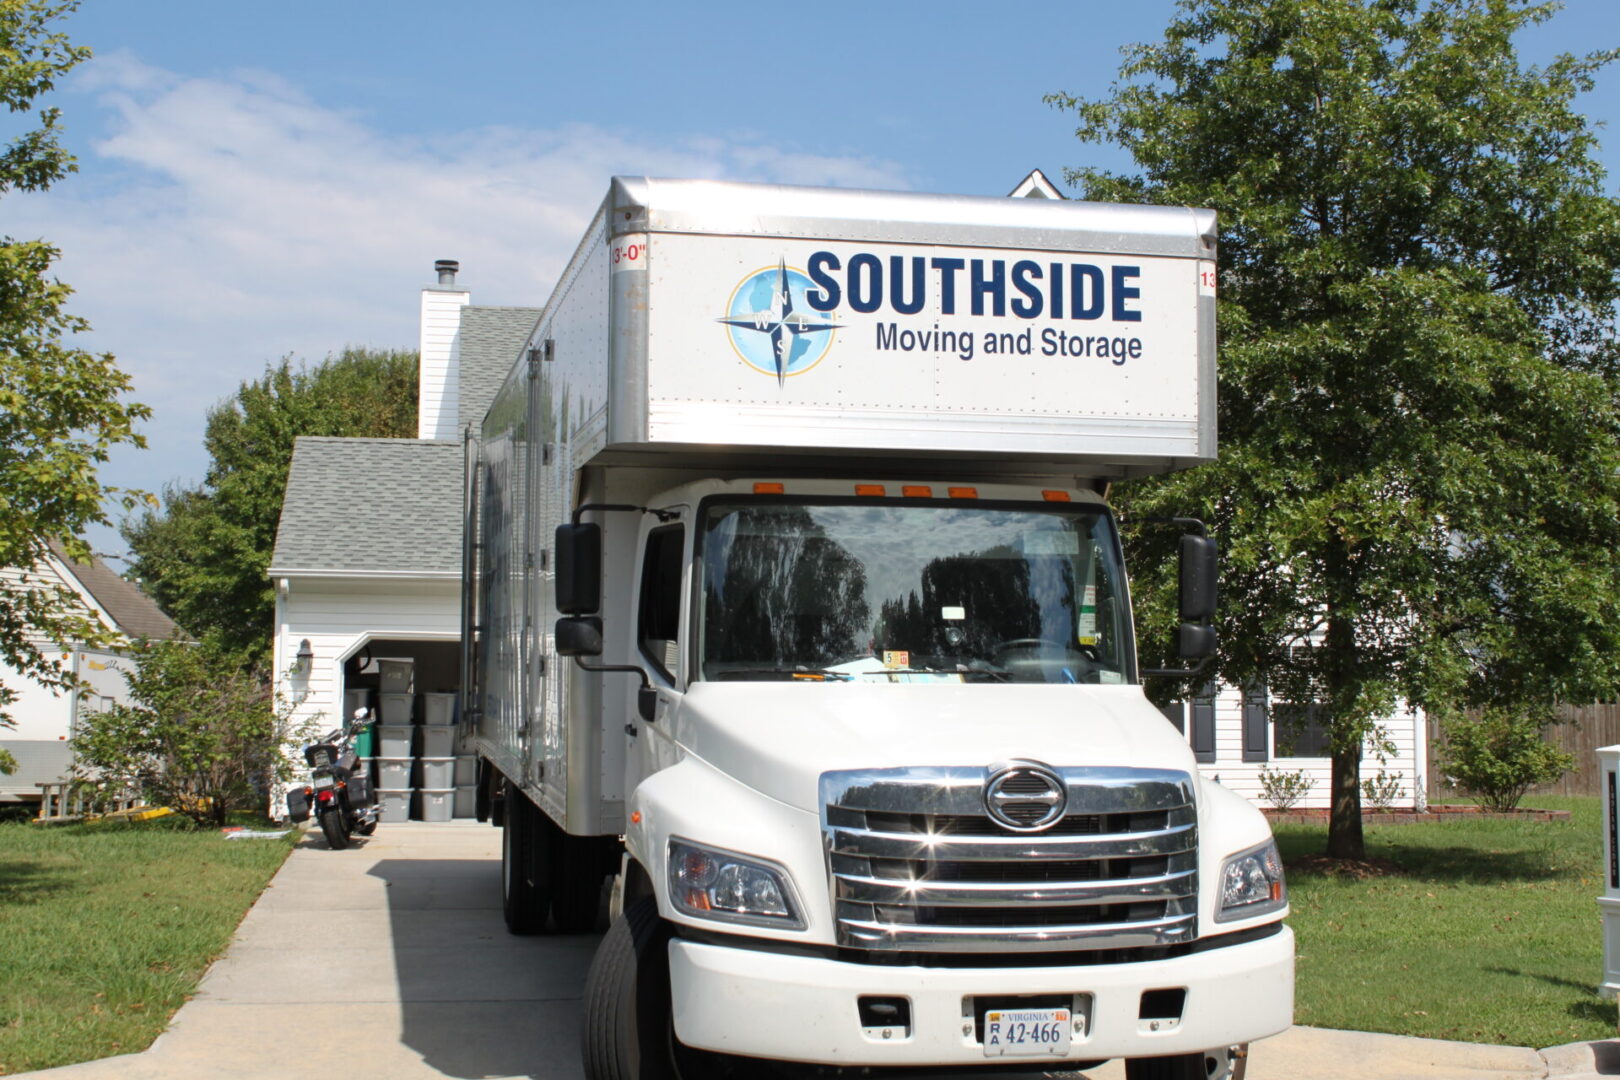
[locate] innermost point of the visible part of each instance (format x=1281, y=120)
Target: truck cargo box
x=703, y=316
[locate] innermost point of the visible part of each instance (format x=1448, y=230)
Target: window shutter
x=1203, y=724
x=1176, y=713
x=1256, y=725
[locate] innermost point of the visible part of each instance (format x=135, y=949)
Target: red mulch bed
x=1436, y=812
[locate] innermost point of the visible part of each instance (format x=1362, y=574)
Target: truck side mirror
x=1198, y=576
x=579, y=573
x=579, y=636
x=1196, y=641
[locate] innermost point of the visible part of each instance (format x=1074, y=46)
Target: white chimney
x=438, y=396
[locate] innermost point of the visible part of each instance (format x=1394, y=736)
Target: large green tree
x=204, y=553
x=1416, y=491
x=62, y=409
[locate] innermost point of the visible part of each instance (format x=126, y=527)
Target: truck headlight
x=1252, y=883
x=711, y=883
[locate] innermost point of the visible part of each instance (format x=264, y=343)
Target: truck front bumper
x=767, y=1004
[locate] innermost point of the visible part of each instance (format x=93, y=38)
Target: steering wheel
x=1090, y=652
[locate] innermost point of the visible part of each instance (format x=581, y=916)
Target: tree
x=62, y=409
x=202, y=737
x=1416, y=491
x=204, y=554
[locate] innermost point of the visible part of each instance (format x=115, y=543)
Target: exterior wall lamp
x=305, y=659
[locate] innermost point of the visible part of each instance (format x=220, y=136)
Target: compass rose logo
x=767, y=327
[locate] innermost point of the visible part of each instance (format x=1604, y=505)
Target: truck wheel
x=525, y=866
x=578, y=874
x=1179, y=1067
x=337, y=837
x=629, y=1029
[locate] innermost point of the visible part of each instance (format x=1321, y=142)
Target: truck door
x=660, y=641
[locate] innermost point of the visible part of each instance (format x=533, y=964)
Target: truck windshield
x=911, y=593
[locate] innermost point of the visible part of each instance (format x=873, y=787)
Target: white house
x=45, y=718
x=368, y=562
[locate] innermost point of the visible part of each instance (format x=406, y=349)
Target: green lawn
x=1489, y=931
x=105, y=930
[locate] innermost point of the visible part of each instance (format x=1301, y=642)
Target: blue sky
x=262, y=180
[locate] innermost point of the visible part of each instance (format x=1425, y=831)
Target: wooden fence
x=1587, y=728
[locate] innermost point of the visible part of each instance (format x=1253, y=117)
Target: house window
x=659, y=622
x=1302, y=730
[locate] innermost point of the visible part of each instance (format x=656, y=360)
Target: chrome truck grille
x=918, y=861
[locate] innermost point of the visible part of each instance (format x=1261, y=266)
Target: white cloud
x=226, y=222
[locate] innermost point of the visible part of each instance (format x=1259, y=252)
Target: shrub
x=1382, y=790
x=1500, y=755
x=203, y=736
x=1283, y=789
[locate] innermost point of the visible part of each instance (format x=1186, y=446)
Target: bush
x=1500, y=755
x=1283, y=789
x=1382, y=790
x=202, y=737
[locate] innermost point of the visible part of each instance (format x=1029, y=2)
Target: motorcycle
x=339, y=793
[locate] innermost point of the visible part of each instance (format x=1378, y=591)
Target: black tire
x=578, y=871
x=337, y=835
x=1179, y=1067
x=628, y=1030
x=525, y=866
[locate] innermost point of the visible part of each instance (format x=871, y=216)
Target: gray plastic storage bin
x=466, y=802
x=394, y=772
x=466, y=770
x=438, y=740
x=396, y=676
x=438, y=772
x=395, y=803
x=355, y=699
x=396, y=708
x=394, y=740
x=436, y=803
x=438, y=708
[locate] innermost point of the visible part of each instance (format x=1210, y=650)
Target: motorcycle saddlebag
x=297, y=805
x=360, y=789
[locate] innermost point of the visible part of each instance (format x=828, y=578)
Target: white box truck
x=797, y=624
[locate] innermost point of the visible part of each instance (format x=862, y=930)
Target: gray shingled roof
x=134, y=613
x=491, y=340
x=368, y=505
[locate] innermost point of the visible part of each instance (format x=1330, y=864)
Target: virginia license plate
x=1027, y=1032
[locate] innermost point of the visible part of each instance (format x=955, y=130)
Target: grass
x=1481, y=931
x=106, y=929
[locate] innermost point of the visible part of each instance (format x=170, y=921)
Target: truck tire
x=629, y=1029
x=337, y=837
x=525, y=866
x=580, y=870
x=1179, y=1067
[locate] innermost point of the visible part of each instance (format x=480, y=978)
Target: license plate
x=1027, y=1032
x=323, y=781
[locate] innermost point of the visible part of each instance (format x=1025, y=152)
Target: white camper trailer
x=795, y=610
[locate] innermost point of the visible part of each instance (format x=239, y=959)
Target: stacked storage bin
x=437, y=762
x=394, y=737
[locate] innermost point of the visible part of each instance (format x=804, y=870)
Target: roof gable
x=492, y=340
x=133, y=613
x=371, y=506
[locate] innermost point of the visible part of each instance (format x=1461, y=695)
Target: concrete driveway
x=390, y=959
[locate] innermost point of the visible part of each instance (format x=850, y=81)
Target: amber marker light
x=1055, y=496
x=870, y=489
x=963, y=493
x=917, y=491
x=763, y=488
x=635, y=817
